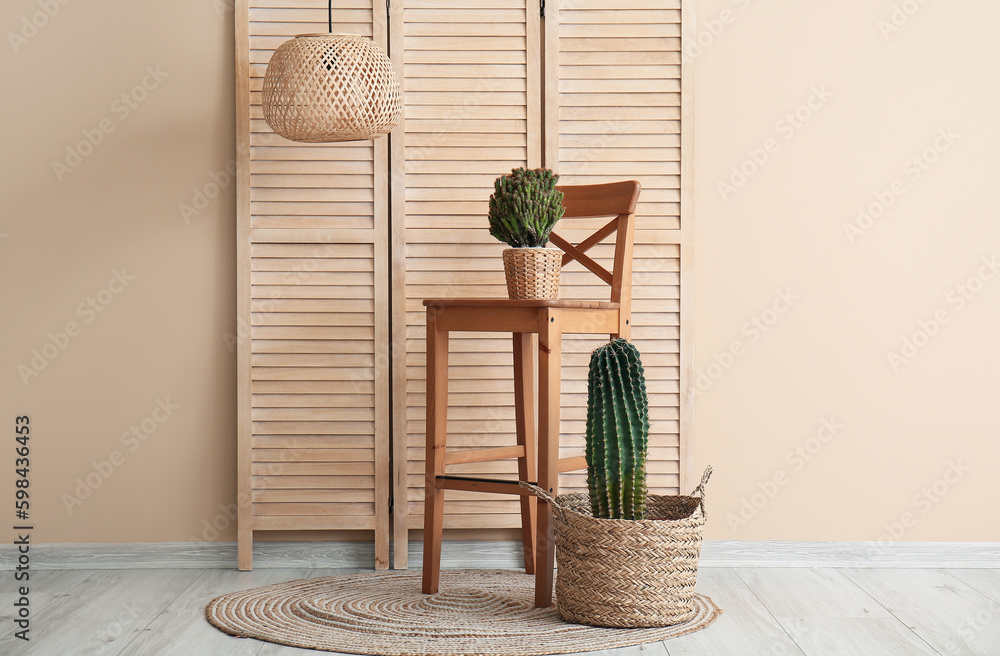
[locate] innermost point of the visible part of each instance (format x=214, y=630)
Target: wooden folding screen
x=314, y=300
x=593, y=90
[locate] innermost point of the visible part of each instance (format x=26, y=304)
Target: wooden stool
x=549, y=320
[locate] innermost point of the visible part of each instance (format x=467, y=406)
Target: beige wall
x=827, y=355
x=161, y=337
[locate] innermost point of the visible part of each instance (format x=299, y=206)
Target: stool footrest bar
x=471, y=484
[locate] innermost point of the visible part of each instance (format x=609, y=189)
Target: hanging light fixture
x=330, y=87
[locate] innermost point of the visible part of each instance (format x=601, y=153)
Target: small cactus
x=524, y=207
x=617, y=432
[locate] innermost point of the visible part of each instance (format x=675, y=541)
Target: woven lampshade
x=330, y=87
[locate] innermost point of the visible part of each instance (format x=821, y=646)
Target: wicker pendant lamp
x=330, y=87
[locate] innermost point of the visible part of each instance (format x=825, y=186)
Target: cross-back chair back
x=616, y=200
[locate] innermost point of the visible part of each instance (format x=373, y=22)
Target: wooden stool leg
x=549, y=400
x=524, y=419
x=437, y=434
x=433, y=524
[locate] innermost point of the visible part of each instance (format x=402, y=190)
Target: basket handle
x=700, y=490
x=538, y=492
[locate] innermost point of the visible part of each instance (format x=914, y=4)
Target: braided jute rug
x=476, y=612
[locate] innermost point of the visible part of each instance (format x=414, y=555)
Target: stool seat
x=500, y=303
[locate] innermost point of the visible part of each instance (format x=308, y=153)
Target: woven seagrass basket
x=532, y=273
x=628, y=573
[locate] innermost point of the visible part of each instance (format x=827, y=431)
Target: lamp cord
x=329, y=15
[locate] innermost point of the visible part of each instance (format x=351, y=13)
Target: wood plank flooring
x=768, y=612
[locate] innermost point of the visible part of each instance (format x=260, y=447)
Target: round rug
x=476, y=612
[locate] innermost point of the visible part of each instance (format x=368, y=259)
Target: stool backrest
x=616, y=200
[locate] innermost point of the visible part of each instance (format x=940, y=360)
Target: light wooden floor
x=768, y=612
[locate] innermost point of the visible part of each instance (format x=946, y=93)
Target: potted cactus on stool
x=524, y=207
x=625, y=558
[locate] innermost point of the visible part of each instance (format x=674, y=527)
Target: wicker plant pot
x=628, y=573
x=532, y=273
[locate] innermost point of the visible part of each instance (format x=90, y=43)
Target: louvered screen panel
x=314, y=433
x=312, y=356
x=472, y=98
x=613, y=113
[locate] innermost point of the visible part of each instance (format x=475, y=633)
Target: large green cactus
x=525, y=206
x=617, y=432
